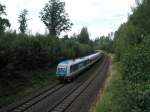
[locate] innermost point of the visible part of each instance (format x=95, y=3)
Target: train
x=67, y=70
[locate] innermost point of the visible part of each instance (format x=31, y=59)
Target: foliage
x=55, y=17
x=136, y=65
x=140, y=18
x=22, y=19
x=4, y=23
x=20, y=52
x=104, y=43
x=136, y=97
x=83, y=37
x=111, y=97
x=132, y=48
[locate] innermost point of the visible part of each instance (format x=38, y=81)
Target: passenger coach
x=67, y=70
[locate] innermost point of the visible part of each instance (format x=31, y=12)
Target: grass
x=110, y=98
x=12, y=89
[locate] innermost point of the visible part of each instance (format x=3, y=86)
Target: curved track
x=67, y=100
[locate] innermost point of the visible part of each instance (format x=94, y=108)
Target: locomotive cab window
x=62, y=69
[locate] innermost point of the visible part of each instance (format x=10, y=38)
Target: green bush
x=136, y=65
x=136, y=97
x=132, y=48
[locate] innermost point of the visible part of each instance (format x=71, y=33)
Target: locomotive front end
x=61, y=71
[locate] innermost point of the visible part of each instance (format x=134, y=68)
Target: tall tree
x=84, y=36
x=22, y=19
x=55, y=17
x=3, y=22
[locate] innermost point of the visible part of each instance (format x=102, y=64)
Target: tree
x=84, y=36
x=3, y=22
x=55, y=17
x=132, y=48
x=22, y=19
x=104, y=43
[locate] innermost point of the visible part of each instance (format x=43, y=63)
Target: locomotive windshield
x=61, y=70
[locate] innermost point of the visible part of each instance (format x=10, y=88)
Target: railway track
x=30, y=101
x=37, y=99
x=67, y=100
x=87, y=99
x=72, y=92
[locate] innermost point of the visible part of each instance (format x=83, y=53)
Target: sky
x=99, y=16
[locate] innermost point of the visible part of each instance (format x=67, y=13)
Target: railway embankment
x=108, y=99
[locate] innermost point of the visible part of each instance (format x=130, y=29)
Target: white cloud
x=100, y=16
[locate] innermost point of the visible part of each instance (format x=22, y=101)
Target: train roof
x=78, y=60
x=70, y=62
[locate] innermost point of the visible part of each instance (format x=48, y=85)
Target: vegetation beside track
x=110, y=96
x=132, y=51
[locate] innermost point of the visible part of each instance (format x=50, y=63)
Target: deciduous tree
x=22, y=19
x=84, y=36
x=3, y=22
x=55, y=17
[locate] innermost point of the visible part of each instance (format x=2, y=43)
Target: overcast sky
x=100, y=16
